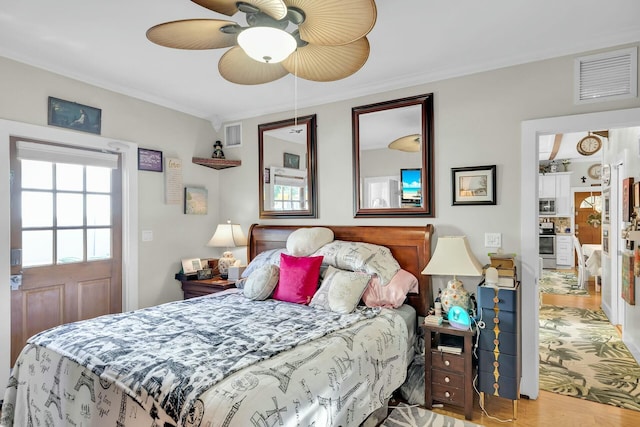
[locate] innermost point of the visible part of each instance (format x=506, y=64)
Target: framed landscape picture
x=474, y=185
x=71, y=115
x=195, y=201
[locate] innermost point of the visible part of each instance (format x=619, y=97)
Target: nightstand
x=448, y=377
x=198, y=288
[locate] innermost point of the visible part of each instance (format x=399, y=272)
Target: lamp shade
x=453, y=257
x=267, y=44
x=228, y=236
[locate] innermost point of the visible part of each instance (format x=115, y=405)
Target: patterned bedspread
x=216, y=360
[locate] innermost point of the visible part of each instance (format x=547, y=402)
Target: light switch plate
x=147, y=235
x=493, y=240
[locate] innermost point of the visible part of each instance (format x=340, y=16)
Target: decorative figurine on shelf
x=217, y=151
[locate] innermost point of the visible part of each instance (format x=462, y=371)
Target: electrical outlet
x=493, y=240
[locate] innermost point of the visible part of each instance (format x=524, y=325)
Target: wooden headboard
x=411, y=246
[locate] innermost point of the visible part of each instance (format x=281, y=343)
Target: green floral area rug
x=412, y=416
x=582, y=355
x=560, y=283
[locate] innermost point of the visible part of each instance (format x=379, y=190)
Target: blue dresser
x=500, y=344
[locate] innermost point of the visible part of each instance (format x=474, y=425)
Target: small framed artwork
x=628, y=279
x=606, y=205
x=149, y=160
x=191, y=265
x=291, y=161
x=267, y=175
x=195, y=201
x=71, y=115
x=627, y=202
x=636, y=194
x=605, y=238
x=474, y=185
x=411, y=187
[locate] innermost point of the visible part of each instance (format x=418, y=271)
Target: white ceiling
x=567, y=149
x=413, y=42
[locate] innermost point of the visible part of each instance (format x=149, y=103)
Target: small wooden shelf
x=216, y=163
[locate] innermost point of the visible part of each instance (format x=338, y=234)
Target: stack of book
x=451, y=344
x=506, y=266
x=433, y=320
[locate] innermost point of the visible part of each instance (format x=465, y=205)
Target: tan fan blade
x=237, y=67
x=192, y=34
x=328, y=63
x=335, y=22
x=409, y=143
x=274, y=8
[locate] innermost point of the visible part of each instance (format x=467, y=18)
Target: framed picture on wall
x=474, y=185
x=195, y=201
x=149, y=160
x=291, y=161
x=606, y=208
x=628, y=279
x=627, y=202
x=71, y=115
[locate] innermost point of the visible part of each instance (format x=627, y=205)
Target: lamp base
x=455, y=294
x=224, y=263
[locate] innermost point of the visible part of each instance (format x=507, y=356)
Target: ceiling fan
x=325, y=39
x=408, y=143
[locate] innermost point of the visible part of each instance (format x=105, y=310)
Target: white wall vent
x=233, y=135
x=606, y=76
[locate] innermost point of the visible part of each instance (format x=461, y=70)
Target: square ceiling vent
x=606, y=76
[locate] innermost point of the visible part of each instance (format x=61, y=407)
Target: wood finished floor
x=552, y=409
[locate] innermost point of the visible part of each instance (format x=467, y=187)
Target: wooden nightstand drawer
x=447, y=394
x=447, y=361
x=447, y=378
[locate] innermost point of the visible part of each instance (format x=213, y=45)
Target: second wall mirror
x=393, y=158
x=287, y=162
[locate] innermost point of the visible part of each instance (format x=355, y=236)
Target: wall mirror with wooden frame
x=287, y=162
x=393, y=158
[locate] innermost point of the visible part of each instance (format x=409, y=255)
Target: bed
x=162, y=366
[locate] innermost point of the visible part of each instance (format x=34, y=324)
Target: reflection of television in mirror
x=411, y=186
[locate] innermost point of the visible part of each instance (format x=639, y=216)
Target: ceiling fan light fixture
x=267, y=44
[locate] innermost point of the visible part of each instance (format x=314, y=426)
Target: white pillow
x=340, y=291
x=305, y=241
x=362, y=257
x=261, y=283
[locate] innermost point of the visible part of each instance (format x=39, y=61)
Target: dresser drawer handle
x=496, y=342
x=447, y=394
x=496, y=320
x=447, y=379
x=496, y=300
x=447, y=363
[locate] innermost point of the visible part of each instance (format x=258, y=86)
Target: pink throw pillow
x=393, y=294
x=298, y=278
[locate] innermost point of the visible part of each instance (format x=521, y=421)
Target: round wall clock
x=589, y=145
x=595, y=171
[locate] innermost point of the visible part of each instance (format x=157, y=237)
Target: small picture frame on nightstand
x=205, y=273
x=191, y=265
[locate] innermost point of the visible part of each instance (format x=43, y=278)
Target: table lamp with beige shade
x=227, y=236
x=453, y=257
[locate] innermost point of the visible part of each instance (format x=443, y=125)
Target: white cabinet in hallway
x=564, y=251
x=556, y=186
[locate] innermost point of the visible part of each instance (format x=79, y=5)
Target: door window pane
x=69, y=210
x=69, y=246
x=98, y=243
x=98, y=179
x=98, y=209
x=37, y=175
x=69, y=177
x=37, y=209
x=37, y=248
